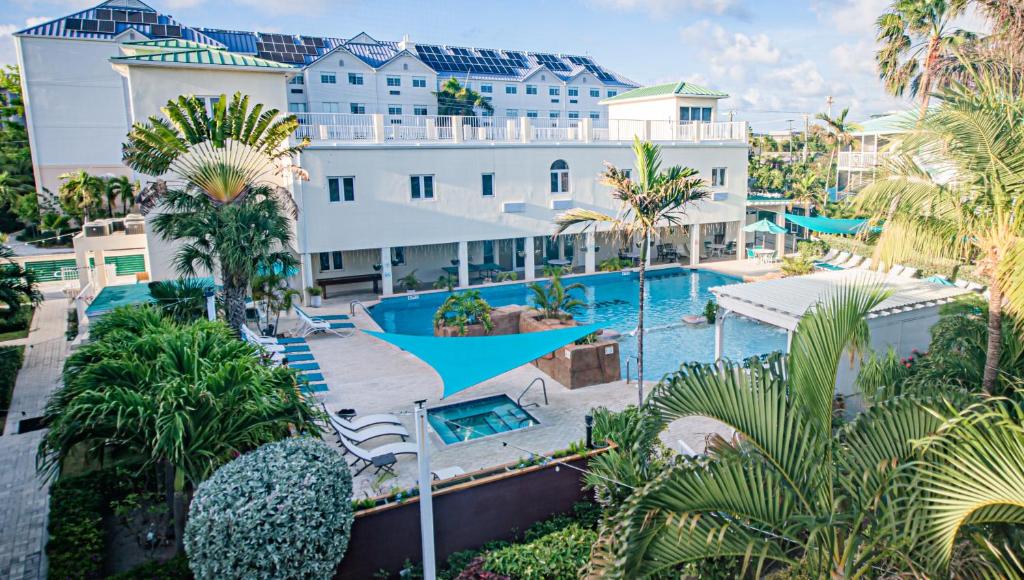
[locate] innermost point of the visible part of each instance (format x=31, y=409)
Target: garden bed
x=17, y=326
x=11, y=358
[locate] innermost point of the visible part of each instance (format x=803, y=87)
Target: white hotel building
x=393, y=187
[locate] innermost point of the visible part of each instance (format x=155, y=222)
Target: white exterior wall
x=659, y=108
x=374, y=92
x=384, y=215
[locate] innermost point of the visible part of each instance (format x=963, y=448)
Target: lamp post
x=211, y=307
x=426, y=498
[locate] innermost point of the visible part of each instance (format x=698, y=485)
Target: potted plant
x=507, y=276
x=377, y=267
x=463, y=314
x=316, y=294
x=710, y=312
x=554, y=300
x=446, y=281
x=409, y=282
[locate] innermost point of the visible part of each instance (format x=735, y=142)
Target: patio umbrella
x=764, y=226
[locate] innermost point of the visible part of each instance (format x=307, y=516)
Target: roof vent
x=406, y=44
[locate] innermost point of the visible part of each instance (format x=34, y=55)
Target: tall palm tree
x=839, y=134
x=455, y=99
x=221, y=162
x=806, y=189
x=655, y=199
x=192, y=397
x=792, y=492
x=915, y=36
x=954, y=188
x=81, y=193
x=119, y=188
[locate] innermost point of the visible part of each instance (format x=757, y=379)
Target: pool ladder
x=543, y=385
x=352, y=308
x=629, y=362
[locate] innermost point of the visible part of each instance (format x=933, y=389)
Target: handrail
x=352, y=308
x=629, y=361
x=543, y=386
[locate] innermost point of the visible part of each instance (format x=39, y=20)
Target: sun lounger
x=366, y=456
x=896, y=270
x=829, y=256
x=909, y=273
x=961, y=283
x=356, y=423
x=840, y=259
x=310, y=377
x=974, y=286
x=853, y=262
x=296, y=357
x=309, y=325
x=865, y=265
x=360, y=437
x=309, y=389
x=304, y=366
x=330, y=317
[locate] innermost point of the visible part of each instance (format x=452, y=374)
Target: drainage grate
x=31, y=424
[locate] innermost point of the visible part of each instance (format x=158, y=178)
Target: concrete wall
x=659, y=108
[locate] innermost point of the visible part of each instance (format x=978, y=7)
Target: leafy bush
x=462, y=309
x=11, y=358
x=174, y=569
x=556, y=300
x=614, y=264
x=797, y=266
x=557, y=555
x=711, y=312
x=812, y=248
x=18, y=321
x=283, y=510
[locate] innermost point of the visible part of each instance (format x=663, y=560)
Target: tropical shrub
x=462, y=309
x=812, y=248
x=17, y=285
x=11, y=359
x=710, y=312
x=797, y=265
x=409, y=282
x=446, y=282
x=183, y=299
x=555, y=556
x=507, y=276
x=614, y=264
x=281, y=511
x=636, y=458
x=174, y=569
x=554, y=299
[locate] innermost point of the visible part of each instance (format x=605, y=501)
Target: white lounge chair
x=865, y=265
x=309, y=325
x=974, y=286
x=838, y=260
x=360, y=437
x=908, y=273
x=895, y=270
x=266, y=342
x=363, y=421
x=832, y=253
x=366, y=456
x=961, y=283
x=853, y=262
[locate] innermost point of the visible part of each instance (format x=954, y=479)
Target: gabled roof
x=204, y=57
x=111, y=18
x=679, y=89
x=169, y=44
x=127, y=5
x=888, y=124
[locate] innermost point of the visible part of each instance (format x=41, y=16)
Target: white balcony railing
x=394, y=129
x=858, y=160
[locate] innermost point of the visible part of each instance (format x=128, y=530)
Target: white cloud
x=7, y=53
x=854, y=58
x=663, y=8
x=854, y=17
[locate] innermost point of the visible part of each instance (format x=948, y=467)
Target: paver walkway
x=24, y=499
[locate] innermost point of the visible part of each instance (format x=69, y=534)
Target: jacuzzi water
x=612, y=301
x=478, y=418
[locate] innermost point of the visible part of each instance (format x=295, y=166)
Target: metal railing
x=543, y=386
x=391, y=129
x=352, y=308
x=858, y=160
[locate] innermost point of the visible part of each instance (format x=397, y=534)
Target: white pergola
x=783, y=302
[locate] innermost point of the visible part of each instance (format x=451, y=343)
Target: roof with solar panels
x=113, y=17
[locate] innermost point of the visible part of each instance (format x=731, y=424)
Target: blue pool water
x=479, y=418
x=613, y=302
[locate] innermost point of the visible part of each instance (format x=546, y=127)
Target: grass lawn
x=18, y=326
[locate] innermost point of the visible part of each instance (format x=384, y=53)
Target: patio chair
x=961, y=283
x=730, y=248
x=828, y=256
x=838, y=260
x=750, y=254
x=309, y=325
x=909, y=273
x=356, y=423
x=853, y=262
x=895, y=270
x=360, y=437
x=366, y=456
x=865, y=265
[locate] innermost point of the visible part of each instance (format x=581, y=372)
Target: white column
x=82, y=263
x=387, y=284
x=463, y=264
x=590, y=258
x=741, y=240
x=695, y=245
x=524, y=130
x=510, y=129
x=531, y=268
x=307, y=274
x=780, y=239
x=457, y=135
x=720, y=333
x=426, y=499
x=378, y=128
x=101, y=270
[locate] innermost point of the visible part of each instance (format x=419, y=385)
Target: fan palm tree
x=954, y=188
x=17, y=285
x=192, y=397
x=81, y=193
x=183, y=300
x=915, y=36
x=555, y=299
x=455, y=99
x=119, y=188
x=53, y=222
x=655, y=199
x=805, y=189
x=792, y=492
x=226, y=162
x=838, y=134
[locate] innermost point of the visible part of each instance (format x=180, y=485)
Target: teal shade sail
x=463, y=362
x=824, y=225
x=765, y=226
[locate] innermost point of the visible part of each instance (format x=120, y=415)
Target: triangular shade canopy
x=825, y=225
x=466, y=361
x=764, y=226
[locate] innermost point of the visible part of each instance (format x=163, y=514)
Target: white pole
x=426, y=499
x=211, y=308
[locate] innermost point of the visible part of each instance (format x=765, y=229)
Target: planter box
x=505, y=320
x=453, y=331
x=582, y=365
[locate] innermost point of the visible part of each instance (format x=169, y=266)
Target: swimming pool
x=478, y=418
x=612, y=301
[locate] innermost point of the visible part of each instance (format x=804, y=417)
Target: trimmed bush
x=555, y=556
x=11, y=359
x=281, y=511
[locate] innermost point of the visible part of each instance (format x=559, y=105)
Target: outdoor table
x=385, y=463
x=716, y=249
x=764, y=254
x=559, y=262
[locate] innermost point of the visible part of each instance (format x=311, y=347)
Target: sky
x=778, y=59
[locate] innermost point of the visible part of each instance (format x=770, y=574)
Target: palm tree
x=17, y=285
x=229, y=204
x=839, y=134
x=182, y=300
x=455, y=99
x=81, y=193
x=555, y=299
x=792, y=492
x=119, y=188
x=954, y=188
x=916, y=35
x=53, y=222
x=655, y=199
x=192, y=397
x=805, y=189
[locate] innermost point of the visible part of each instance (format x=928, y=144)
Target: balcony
x=405, y=129
x=858, y=160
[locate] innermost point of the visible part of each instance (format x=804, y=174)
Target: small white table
x=717, y=249
x=764, y=255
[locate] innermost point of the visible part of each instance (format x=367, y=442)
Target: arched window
x=559, y=177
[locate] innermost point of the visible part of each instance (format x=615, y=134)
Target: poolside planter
x=583, y=365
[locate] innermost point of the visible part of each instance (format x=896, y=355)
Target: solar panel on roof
x=173, y=31
x=159, y=30
x=102, y=14
x=150, y=17
x=135, y=17
x=89, y=25
x=319, y=43
x=108, y=26
x=73, y=24
x=118, y=15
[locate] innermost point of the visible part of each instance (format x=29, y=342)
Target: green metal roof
x=681, y=89
x=206, y=57
x=170, y=43
x=888, y=124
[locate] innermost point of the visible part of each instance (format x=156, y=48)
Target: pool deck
x=372, y=376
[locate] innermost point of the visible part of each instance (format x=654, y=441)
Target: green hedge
x=174, y=569
x=19, y=321
x=558, y=555
x=11, y=358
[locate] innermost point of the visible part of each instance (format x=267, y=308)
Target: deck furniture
x=447, y=472
x=838, y=260
x=358, y=278
x=360, y=437
x=355, y=423
x=667, y=253
x=853, y=262
x=830, y=255
x=909, y=273
x=384, y=463
x=312, y=325
x=764, y=255
x=896, y=270
x=367, y=456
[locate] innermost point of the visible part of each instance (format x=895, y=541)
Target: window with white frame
x=487, y=184
x=355, y=78
x=511, y=112
x=328, y=78
x=394, y=109
x=419, y=110
x=574, y=114
x=554, y=91
x=357, y=108
x=341, y=189
x=296, y=107
x=717, y=177
x=297, y=80
x=511, y=89
x=421, y=186
x=559, y=177
x=331, y=261
x=419, y=82
x=695, y=114
x=595, y=93
x=554, y=114
x=330, y=107
x=595, y=115
x=574, y=91
x=486, y=88
x=531, y=89
x=611, y=94
x=394, y=81
x=531, y=114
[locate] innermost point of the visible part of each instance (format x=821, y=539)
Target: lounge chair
x=366, y=456
x=896, y=270
x=961, y=283
x=838, y=260
x=828, y=256
x=975, y=287
x=865, y=265
x=313, y=388
x=908, y=273
x=309, y=325
x=304, y=366
x=853, y=262
x=360, y=437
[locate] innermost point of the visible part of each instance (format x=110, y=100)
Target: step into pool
x=478, y=418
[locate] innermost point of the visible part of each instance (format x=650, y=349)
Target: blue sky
x=778, y=59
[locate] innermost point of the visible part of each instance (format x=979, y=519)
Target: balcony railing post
x=525, y=130
x=584, y=129
x=510, y=129
x=431, y=129
x=457, y=135
x=378, y=128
